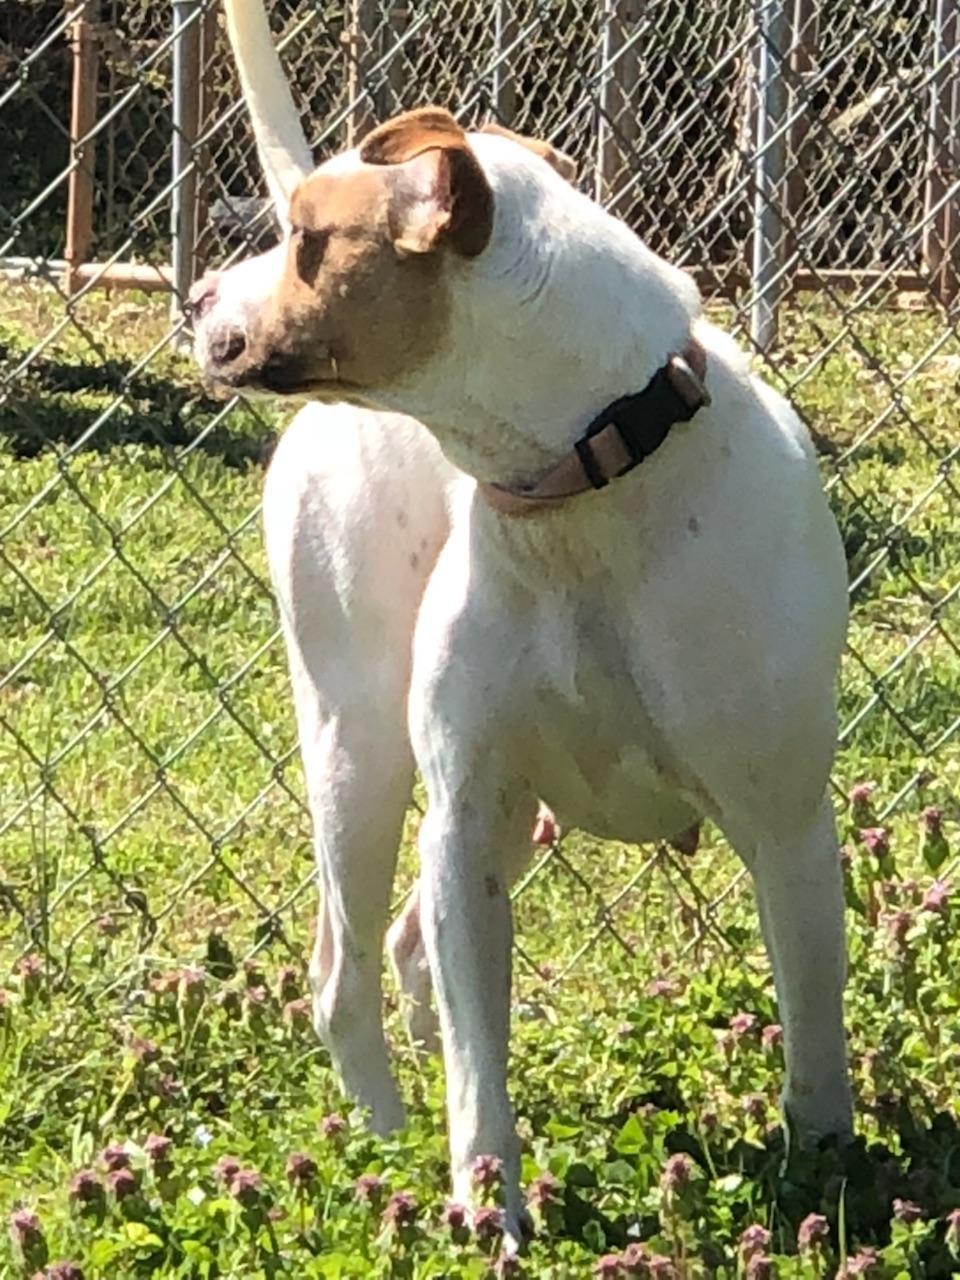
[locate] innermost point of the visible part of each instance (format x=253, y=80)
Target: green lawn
x=151, y=827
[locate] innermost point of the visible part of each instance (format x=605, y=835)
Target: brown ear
x=565, y=165
x=448, y=199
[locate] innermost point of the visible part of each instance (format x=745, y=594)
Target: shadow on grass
x=853, y=1186
x=59, y=401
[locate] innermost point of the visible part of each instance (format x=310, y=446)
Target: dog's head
x=359, y=295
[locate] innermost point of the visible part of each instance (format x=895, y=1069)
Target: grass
x=155, y=904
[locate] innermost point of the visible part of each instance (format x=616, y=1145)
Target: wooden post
x=941, y=250
x=504, y=80
x=186, y=122
x=359, y=41
x=618, y=127
x=84, y=43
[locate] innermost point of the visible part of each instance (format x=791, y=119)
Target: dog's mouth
x=286, y=376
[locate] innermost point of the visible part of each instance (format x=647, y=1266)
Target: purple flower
x=660, y=1268
x=369, y=1188
x=115, y=1156
x=301, y=1170
x=488, y=1224
x=907, y=1211
x=898, y=925
x=608, y=1267
x=813, y=1232
x=26, y=1236
x=144, y=1051
x=544, y=1190
x=159, y=1149
x=455, y=1216
x=333, y=1125
x=931, y=819
x=85, y=1188
x=30, y=969
x=709, y=1121
x=123, y=1183
x=107, y=926
x=860, y=796
x=63, y=1271
x=226, y=1169
x=754, y=1106
x=288, y=984
x=755, y=1239
x=936, y=898
x=635, y=1260
x=191, y=989
x=861, y=1264
x=771, y=1037
x=487, y=1173
x=759, y=1267
x=246, y=1187
x=676, y=1174
x=296, y=1013
x=664, y=987
x=508, y=1264
x=401, y=1210
x=742, y=1024
x=876, y=840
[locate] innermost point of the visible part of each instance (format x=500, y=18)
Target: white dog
x=641, y=645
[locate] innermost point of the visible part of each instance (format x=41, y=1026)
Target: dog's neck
x=564, y=312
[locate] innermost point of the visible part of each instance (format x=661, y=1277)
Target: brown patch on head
x=565, y=165
x=364, y=297
x=350, y=311
x=464, y=214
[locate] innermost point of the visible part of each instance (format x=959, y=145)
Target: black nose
x=227, y=345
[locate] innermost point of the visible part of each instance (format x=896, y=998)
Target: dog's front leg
x=468, y=841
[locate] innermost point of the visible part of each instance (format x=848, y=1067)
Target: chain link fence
x=798, y=157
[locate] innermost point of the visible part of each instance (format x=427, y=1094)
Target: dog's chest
x=596, y=752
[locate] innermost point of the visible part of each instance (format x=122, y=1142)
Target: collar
x=619, y=438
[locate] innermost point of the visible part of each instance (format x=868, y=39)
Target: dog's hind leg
x=409, y=958
x=798, y=882
x=354, y=516
x=356, y=841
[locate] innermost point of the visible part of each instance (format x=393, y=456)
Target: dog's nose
x=201, y=297
x=226, y=345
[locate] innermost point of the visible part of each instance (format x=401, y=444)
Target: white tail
x=281, y=144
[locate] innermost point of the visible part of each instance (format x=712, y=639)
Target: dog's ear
x=442, y=196
x=565, y=165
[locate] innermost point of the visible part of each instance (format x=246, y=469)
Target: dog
x=633, y=590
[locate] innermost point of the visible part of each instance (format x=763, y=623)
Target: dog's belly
x=609, y=785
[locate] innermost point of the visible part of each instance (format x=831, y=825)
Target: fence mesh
x=151, y=791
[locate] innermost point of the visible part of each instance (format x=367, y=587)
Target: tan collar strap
x=619, y=438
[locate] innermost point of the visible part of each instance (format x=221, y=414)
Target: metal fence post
x=84, y=42
x=186, y=124
x=618, y=125
x=941, y=250
x=770, y=164
x=504, y=81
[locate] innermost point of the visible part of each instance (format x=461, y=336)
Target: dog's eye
x=309, y=246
